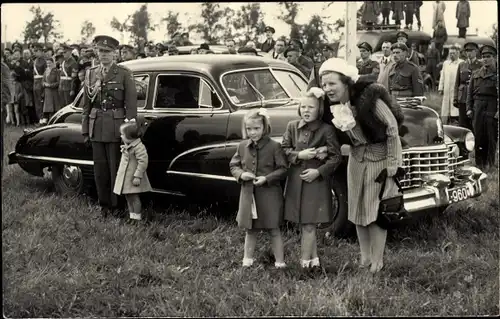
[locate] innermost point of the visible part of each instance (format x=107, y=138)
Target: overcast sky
x=71, y=16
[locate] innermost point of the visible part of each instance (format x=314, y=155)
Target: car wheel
x=341, y=226
x=68, y=179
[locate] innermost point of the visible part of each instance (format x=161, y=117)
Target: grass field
x=60, y=260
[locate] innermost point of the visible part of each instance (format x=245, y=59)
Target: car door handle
x=150, y=117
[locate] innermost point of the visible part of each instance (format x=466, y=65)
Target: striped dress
x=366, y=161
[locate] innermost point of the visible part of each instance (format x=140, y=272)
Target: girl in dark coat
x=259, y=165
x=51, y=79
x=313, y=152
x=363, y=111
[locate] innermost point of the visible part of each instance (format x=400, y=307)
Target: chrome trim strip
x=209, y=176
x=419, y=149
x=165, y=192
x=185, y=111
x=56, y=159
x=199, y=148
x=155, y=92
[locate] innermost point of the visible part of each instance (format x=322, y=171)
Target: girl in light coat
x=259, y=165
x=132, y=179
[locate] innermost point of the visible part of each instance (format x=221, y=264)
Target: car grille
x=421, y=162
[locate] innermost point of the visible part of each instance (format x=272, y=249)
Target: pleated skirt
x=363, y=191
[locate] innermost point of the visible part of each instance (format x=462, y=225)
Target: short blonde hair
x=254, y=115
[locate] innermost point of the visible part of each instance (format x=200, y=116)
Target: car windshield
x=248, y=88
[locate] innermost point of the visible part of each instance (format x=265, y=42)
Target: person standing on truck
x=433, y=58
x=109, y=98
x=367, y=67
x=465, y=70
x=462, y=14
x=405, y=79
x=482, y=107
x=440, y=36
x=446, y=87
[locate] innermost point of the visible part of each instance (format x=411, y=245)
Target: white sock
x=247, y=262
x=135, y=216
x=315, y=262
x=279, y=265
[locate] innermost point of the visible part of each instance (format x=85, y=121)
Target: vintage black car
x=190, y=143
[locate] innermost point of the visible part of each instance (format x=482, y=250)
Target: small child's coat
x=266, y=158
x=133, y=163
x=310, y=203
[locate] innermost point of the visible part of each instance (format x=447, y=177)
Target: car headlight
x=470, y=141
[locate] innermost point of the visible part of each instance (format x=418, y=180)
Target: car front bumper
x=12, y=158
x=438, y=190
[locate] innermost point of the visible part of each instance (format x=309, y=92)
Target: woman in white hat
x=363, y=110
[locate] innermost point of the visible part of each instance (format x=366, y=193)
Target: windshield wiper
x=296, y=85
x=260, y=96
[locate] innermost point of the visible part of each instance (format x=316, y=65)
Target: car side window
x=184, y=92
x=208, y=97
x=142, y=87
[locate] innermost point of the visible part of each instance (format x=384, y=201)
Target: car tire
x=68, y=180
x=341, y=226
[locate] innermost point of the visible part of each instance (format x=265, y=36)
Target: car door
x=186, y=114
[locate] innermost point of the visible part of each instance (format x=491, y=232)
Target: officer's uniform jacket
x=39, y=66
x=464, y=73
x=405, y=77
x=482, y=91
x=69, y=73
x=370, y=67
x=267, y=46
x=107, y=102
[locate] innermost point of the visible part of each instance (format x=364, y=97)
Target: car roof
x=216, y=48
x=210, y=65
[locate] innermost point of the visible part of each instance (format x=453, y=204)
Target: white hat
x=340, y=66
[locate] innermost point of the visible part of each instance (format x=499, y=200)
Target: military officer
x=402, y=37
x=405, y=79
x=69, y=74
x=465, y=70
x=482, y=107
x=268, y=45
x=128, y=52
x=367, y=67
x=39, y=66
x=109, y=98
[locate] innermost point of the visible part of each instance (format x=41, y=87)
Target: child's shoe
x=247, y=262
x=315, y=262
x=305, y=263
x=135, y=216
x=279, y=265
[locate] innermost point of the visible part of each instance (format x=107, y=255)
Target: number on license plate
x=458, y=194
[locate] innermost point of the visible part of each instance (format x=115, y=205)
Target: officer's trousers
x=463, y=119
x=486, y=133
x=106, y=158
x=38, y=102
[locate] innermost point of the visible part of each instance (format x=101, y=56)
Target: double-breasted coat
x=133, y=163
x=310, y=203
x=267, y=45
x=447, y=85
x=115, y=100
x=463, y=14
x=264, y=158
x=51, y=102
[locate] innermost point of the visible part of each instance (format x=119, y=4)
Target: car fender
x=53, y=144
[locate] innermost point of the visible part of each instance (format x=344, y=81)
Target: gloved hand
x=86, y=140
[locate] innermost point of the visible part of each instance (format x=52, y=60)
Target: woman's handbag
x=391, y=210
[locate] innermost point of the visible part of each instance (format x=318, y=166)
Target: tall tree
x=314, y=33
x=289, y=12
x=494, y=36
x=212, y=25
x=249, y=21
x=87, y=31
x=141, y=24
x=172, y=23
x=122, y=27
x=42, y=26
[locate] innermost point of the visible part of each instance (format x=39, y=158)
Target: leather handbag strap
x=382, y=178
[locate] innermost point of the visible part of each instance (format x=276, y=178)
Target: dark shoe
x=105, y=212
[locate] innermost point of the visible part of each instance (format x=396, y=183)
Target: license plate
x=458, y=194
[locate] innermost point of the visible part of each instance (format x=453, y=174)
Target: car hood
x=421, y=127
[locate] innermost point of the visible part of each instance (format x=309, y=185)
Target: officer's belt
x=66, y=78
x=37, y=76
